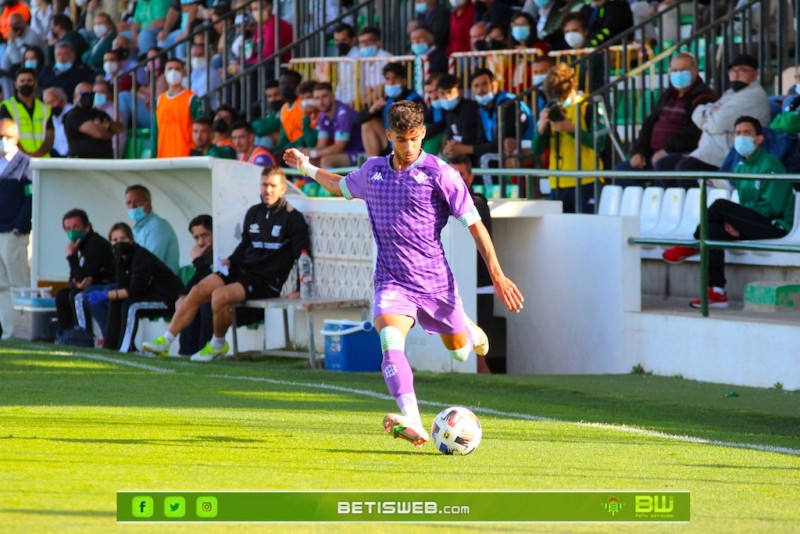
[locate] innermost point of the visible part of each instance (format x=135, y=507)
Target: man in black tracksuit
x=273, y=236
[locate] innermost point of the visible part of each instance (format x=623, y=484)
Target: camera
x=556, y=112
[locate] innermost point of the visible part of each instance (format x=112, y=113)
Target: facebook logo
x=142, y=507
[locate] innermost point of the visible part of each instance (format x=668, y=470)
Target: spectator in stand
x=374, y=120
x=201, y=136
x=268, y=129
x=493, y=11
x=434, y=14
x=64, y=30
x=122, y=46
x=42, y=16
x=67, y=72
x=151, y=231
x=524, y=37
x=786, y=109
x=224, y=118
x=262, y=13
x=112, y=67
x=181, y=13
x=291, y=112
x=140, y=277
x=31, y=115
x=556, y=130
x=461, y=19
x=434, y=117
x=104, y=101
x=21, y=37
x=463, y=127
x=33, y=58
x=606, y=19
x=106, y=31
x=309, y=137
x=154, y=68
x=199, y=332
x=148, y=21
x=539, y=69
x=765, y=209
x=477, y=37
x=204, y=80
x=424, y=47
x=369, y=46
x=717, y=120
x=11, y=8
x=90, y=262
x=56, y=100
x=669, y=128
x=244, y=141
x=548, y=15
x=89, y=130
x=497, y=36
x=16, y=192
x=575, y=28
x=339, y=138
x=176, y=109
x=258, y=268
x=344, y=36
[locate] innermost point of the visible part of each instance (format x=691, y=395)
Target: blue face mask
x=63, y=67
x=520, y=33
x=136, y=214
x=393, y=91
x=450, y=104
x=368, y=51
x=421, y=7
x=419, y=48
x=744, y=145
x=541, y=3
x=538, y=79
x=99, y=100
x=485, y=100
x=797, y=88
x=436, y=104
x=31, y=64
x=680, y=79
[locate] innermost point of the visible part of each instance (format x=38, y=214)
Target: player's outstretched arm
x=505, y=289
x=328, y=180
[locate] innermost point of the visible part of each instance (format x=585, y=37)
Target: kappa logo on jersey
x=254, y=228
x=377, y=176
x=276, y=230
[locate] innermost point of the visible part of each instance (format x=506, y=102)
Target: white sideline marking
x=489, y=411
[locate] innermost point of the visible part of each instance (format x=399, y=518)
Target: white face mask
x=574, y=39
x=173, y=76
x=308, y=103
x=110, y=67
x=458, y=3
x=99, y=29
x=198, y=63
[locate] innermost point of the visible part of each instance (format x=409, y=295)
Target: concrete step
x=772, y=296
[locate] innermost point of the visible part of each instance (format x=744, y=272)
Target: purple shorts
x=437, y=314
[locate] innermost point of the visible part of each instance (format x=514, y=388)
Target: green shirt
x=148, y=12
x=770, y=198
x=224, y=152
x=269, y=124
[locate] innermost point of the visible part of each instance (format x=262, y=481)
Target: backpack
x=76, y=337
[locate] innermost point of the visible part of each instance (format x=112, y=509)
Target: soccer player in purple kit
x=410, y=196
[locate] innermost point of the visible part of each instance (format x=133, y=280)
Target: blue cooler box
x=352, y=346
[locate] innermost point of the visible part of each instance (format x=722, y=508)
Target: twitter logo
x=174, y=507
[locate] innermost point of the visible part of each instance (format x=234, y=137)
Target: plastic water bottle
x=306, y=273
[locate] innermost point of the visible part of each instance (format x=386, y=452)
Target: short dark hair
x=124, y=227
x=228, y=109
x=752, y=120
x=543, y=58
x=25, y=70
x=577, y=16
x=139, y=188
x=294, y=75
x=306, y=87
x=424, y=27
x=205, y=121
x=202, y=220
x=344, y=27
x=63, y=21
x=242, y=125
x=395, y=68
x=175, y=60
x=272, y=84
x=76, y=212
x=404, y=116
x=482, y=72
x=370, y=30
x=269, y=170
x=462, y=159
x=323, y=86
x=448, y=81
x=114, y=51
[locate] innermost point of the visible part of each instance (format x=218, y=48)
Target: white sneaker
x=480, y=341
x=209, y=353
x=158, y=347
x=397, y=427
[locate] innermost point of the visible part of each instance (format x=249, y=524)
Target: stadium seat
x=651, y=209
x=631, y=202
x=671, y=210
x=610, y=199
x=735, y=196
x=690, y=216
x=792, y=238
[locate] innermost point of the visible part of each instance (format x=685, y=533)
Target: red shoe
x=679, y=254
x=715, y=300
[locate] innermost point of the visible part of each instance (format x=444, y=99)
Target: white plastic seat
x=792, y=238
x=651, y=208
x=671, y=210
x=631, y=202
x=610, y=200
x=735, y=196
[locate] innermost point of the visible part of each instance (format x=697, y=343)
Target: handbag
x=76, y=337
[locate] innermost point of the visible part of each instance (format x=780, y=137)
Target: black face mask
x=220, y=126
x=276, y=106
x=122, y=53
x=287, y=93
x=121, y=250
x=481, y=46
x=343, y=48
x=495, y=44
x=25, y=90
x=57, y=111
x=738, y=86
x=87, y=100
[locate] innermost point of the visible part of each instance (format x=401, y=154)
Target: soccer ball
x=456, y=430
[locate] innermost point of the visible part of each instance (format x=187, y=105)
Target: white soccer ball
x=456, y=430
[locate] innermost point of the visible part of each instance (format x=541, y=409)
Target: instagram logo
x=207, y=507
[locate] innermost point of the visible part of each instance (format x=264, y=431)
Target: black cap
x=745, y=59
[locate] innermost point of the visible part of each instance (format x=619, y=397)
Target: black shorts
x=254, y=287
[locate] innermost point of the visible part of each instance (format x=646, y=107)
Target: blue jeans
x=143, y=118
x=179, y=52
x=626, y=166
x=147, y=40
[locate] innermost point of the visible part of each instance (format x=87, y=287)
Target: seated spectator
x=607, y=19
x=179, y=19
x=765, y=209
x=263, y=13
x=539, y=69
x=154, y=68
x=201, y=136
x=493, y=11
x=21, y=37
x=716, y=120
x=548, y=15
x=42, y=16
x=204, y=80
x=89, y=130
x=176, y=109
x=67, y=72
x=461, y=19
x=104, y=101
x=477, y=37
x=224, y=118
x=151, y=231
x=90, y=262
x=244, y=141
x=462, y=119
x=127, y=60
x=371, y=72
x=575, y=28
x=344, y=37
x=64, y=30
x=669, y=128
x=786, y=109
x=9, y=9
x=59, y=107
x=524, y=37
x=33, y=58
x=434, y=117
x=374, y=121
x=435, y=14
x=106, y=31
x=148, y=21
x=556, y=130
x=258, y=268
x=31, y=115
x=339, y=138
x=199, y=332
x=309, y=138
x=140, y=278
x=497, y=36
x=112, y=67
x=268, y=129
x=424, y=48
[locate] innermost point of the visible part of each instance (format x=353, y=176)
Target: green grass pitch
x=76, y=427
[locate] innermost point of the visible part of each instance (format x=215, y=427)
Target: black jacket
x=687, y=140
x=93, y=258
x=607, y=21
x=464, y=125
x=202, y=268
x=142, y=274
x=16, y=195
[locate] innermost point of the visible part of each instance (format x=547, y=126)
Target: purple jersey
x=407, y=211
x=343, y=126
